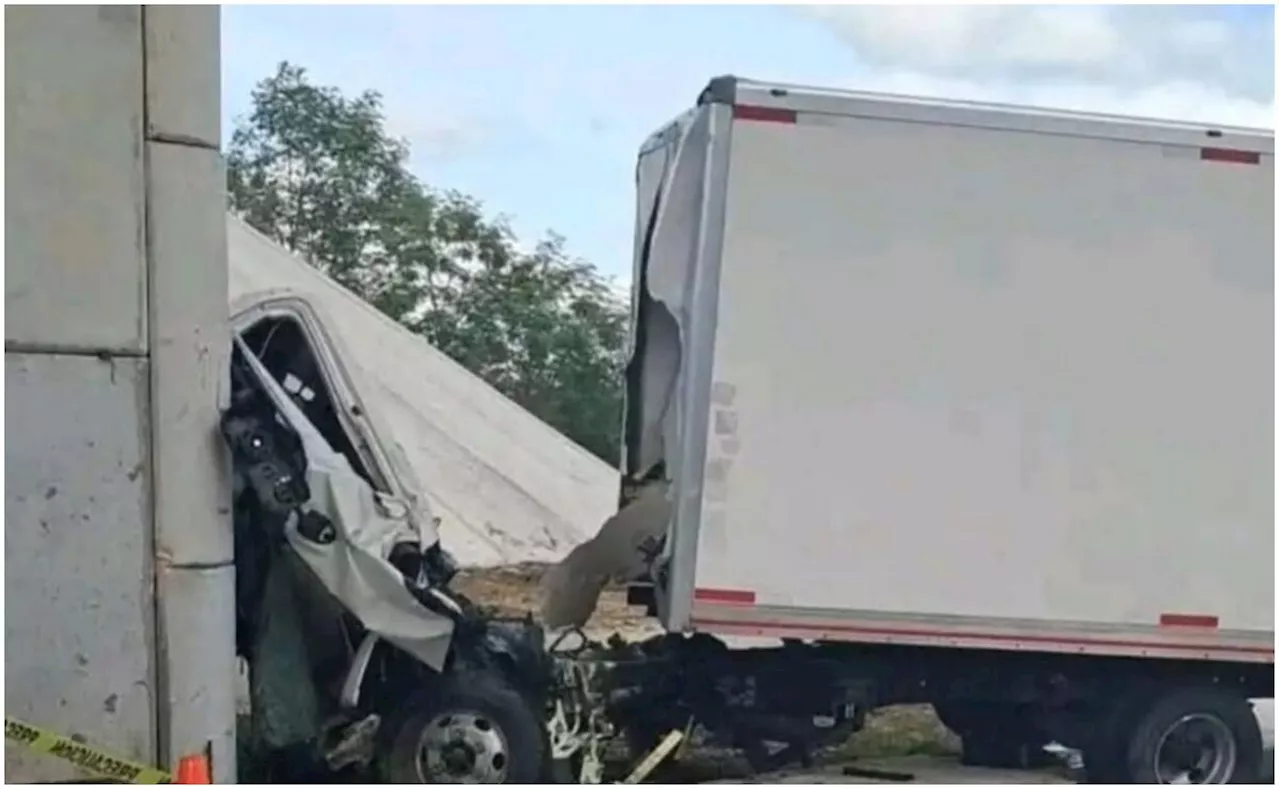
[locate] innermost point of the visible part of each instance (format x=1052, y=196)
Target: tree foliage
x=318, y=172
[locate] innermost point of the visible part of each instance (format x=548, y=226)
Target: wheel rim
x=462, y=748
x=1197, y=749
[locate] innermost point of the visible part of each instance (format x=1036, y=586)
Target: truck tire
x=471, y=728
x=1205, y=735
x=994, y=734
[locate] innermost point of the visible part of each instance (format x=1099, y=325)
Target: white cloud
x=439, y=134
x=1169, y=62
x=1187, y=101
x=963, y=37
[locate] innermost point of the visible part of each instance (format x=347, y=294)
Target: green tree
x=545, y=330
x=317, y=171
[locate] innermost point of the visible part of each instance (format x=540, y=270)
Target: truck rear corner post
x=894, y=446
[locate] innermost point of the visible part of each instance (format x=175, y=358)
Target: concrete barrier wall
x=118, y=580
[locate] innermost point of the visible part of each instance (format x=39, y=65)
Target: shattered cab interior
x=324, y=553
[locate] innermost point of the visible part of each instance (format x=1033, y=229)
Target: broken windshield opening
x=281, y=344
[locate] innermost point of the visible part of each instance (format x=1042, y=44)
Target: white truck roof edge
x=737, y=91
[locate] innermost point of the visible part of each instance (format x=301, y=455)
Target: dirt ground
x=513, y=591
x=907, y=731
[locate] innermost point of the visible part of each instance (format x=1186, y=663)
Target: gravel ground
x=909, y=769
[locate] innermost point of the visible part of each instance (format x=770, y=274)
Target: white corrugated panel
x=506, y=486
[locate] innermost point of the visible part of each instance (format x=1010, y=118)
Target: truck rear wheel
x=1197, y=735
x=472, y=728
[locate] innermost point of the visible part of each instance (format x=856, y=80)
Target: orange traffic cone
x=193, y=770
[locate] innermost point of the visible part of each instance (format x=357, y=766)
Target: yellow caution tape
x=87, y=758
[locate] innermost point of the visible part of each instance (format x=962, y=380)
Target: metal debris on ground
x=656, y=756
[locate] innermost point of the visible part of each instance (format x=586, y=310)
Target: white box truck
x=969, y=405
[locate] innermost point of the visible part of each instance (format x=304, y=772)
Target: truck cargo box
x=951, y=374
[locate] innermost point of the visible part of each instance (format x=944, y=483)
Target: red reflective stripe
x=1229, y=155
x=725, y=596
x=747, y=112
x=1188, y=620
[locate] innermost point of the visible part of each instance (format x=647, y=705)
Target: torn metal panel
x=669, y=194
x=671, y=185
x=621, y=549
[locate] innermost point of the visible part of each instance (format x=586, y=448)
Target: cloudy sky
x=539, y=111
